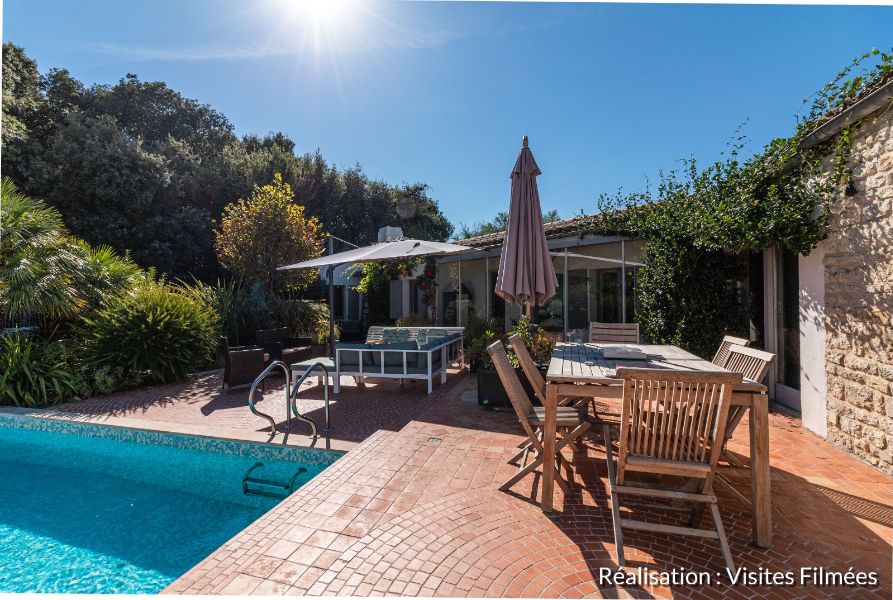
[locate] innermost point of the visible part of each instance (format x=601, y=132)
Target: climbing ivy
x=374, y=285
x=700, y=221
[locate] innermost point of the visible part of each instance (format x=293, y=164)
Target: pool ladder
x=291, y=396
x=268, y=488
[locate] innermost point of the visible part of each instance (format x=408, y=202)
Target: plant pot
x=491, y=392
x=318, y=350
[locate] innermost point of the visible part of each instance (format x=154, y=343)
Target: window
x=338, y=307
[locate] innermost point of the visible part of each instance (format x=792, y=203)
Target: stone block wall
x=859, y=301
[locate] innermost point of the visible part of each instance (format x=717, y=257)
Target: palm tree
x=47, y=273
x=36, y=260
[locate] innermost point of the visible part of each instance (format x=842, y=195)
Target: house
x=836, y=364
x=596, y=280
x=827, y=316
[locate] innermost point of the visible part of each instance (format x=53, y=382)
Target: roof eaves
x=871, y=103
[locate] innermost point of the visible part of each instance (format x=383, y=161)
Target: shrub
x=35, y=373
x=537, y=340
x=158, y=333
x=303, y=317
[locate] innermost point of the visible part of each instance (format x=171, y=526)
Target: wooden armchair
x=671, y=424
x=751, y=364
x=722, y=353
x=624, y=333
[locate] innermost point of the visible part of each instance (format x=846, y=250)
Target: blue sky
x=442, y=92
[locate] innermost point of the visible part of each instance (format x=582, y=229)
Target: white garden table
x=581, y=370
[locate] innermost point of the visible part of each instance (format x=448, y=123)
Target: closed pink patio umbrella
x=526, y=272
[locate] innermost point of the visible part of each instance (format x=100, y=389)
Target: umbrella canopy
x=526, y=272
x=391, y=250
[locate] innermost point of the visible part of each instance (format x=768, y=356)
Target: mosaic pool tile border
x=312, y=456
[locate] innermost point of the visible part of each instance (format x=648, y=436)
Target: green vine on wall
x=375, y=281
x=700, y=221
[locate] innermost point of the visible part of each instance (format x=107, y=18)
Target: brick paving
x=199, y=405
x=413, y=510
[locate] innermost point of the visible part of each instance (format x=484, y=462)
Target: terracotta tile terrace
x=413, y=509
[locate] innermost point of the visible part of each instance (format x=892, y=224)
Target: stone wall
x=859, y=301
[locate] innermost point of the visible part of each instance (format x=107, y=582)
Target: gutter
x=873, y=102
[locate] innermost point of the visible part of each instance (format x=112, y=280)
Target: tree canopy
x=499, y=223
x=142, y=169
x=265, y=232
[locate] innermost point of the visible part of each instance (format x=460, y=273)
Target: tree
x=265, y=232
x=140, y=168
x=112, y=191
x=46, y=272
x=499, y=223
x=21, y=94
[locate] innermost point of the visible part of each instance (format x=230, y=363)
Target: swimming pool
x=96, y=509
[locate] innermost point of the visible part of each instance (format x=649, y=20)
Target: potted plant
x=481, y=333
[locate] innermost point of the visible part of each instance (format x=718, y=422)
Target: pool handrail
x=294, y=396
x=263, y=375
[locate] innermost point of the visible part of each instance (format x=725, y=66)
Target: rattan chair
x=279, y=345
x=241, y=364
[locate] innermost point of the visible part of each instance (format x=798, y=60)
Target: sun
x=317, y=13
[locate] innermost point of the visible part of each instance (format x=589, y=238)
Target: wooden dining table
x=582, y=371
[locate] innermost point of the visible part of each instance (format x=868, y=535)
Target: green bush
x=302, y=317
x=35, y=373
x=158, y=333
x=537, y=341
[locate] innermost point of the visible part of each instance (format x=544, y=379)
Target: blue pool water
x=94, y=509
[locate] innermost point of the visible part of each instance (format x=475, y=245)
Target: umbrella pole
x=331, y=281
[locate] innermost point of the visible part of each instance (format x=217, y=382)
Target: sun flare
x=328, y=12
x=317, y=13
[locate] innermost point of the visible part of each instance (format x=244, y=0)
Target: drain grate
x=433, y=442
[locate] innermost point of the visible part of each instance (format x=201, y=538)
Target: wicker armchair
x=241, y=364
x=281, y=346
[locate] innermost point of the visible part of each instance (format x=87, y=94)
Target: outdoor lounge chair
x=241, y=364
x=671, y=424
x=625, y=333
x=532, y=419
x=722, y=353
x=414, y=353
x=279, y=344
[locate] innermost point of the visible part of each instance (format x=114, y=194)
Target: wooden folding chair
x=531, y=371
x=532, y=420
x=671, y=424
x=626, y=333
x=722, y=353
x=752, y=364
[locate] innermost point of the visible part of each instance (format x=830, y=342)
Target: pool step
x=269, y=488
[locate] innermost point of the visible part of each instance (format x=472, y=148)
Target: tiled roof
x=553, y=229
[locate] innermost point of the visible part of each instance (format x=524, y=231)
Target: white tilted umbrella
x=392, y=250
